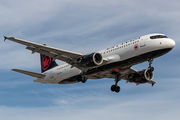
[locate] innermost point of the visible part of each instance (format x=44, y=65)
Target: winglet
x=5, y=38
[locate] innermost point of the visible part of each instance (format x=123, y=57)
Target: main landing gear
x=116, y=88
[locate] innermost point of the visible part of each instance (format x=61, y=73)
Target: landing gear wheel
x=83, y=81
x=151, y=68
x=115, y=88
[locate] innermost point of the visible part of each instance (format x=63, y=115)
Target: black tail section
x=47, y=63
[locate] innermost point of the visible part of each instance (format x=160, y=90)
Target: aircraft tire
x=117, y=89
x=83, y=81
x=113, y=88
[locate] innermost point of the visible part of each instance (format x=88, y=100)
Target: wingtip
x=9, y=38
x=13, y=69
x=153, y=84
x=5, y=38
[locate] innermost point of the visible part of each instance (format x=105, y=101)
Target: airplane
x=114, y=62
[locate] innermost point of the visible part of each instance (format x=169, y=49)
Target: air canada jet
x=113, y=62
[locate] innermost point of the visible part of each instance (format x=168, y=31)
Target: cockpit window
x=158, y=36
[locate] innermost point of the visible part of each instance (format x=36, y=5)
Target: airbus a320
x=113, y=62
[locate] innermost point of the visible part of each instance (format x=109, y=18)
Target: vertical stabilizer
x=47, y=63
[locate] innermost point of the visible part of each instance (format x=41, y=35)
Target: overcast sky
x=86, y=26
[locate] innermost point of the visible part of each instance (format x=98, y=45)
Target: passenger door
x=143, y=42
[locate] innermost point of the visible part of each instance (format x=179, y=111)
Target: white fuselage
x=117, y=53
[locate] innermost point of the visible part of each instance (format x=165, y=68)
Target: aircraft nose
x=171, y=43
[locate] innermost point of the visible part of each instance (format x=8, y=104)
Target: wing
x=109, y=74
x=130, y=71
x=126, y=74
x=63, y=55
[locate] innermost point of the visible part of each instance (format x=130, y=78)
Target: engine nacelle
x=91, y=60
x=142, y=76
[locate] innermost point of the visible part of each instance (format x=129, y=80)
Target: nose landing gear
x=150, y=67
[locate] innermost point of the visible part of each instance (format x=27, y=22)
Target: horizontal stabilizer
x=33, y=74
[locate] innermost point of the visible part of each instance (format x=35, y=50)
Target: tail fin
x=47, y=63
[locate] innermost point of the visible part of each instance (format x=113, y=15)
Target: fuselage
x=119, y=56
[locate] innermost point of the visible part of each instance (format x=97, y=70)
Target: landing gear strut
x=115, y=87
x=151, y=68
x=150, y=62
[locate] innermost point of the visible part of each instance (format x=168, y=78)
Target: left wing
x=138, y=76
x=63, y=55
x=128, y=74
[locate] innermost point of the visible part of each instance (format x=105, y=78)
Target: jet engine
x=142, y=76
x=90, y=60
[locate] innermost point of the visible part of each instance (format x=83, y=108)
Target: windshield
x=158, y=36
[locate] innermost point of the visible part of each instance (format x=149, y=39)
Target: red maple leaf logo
x=136, y=47
x=46, y=61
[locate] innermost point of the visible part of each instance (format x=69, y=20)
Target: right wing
x=33, y=74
